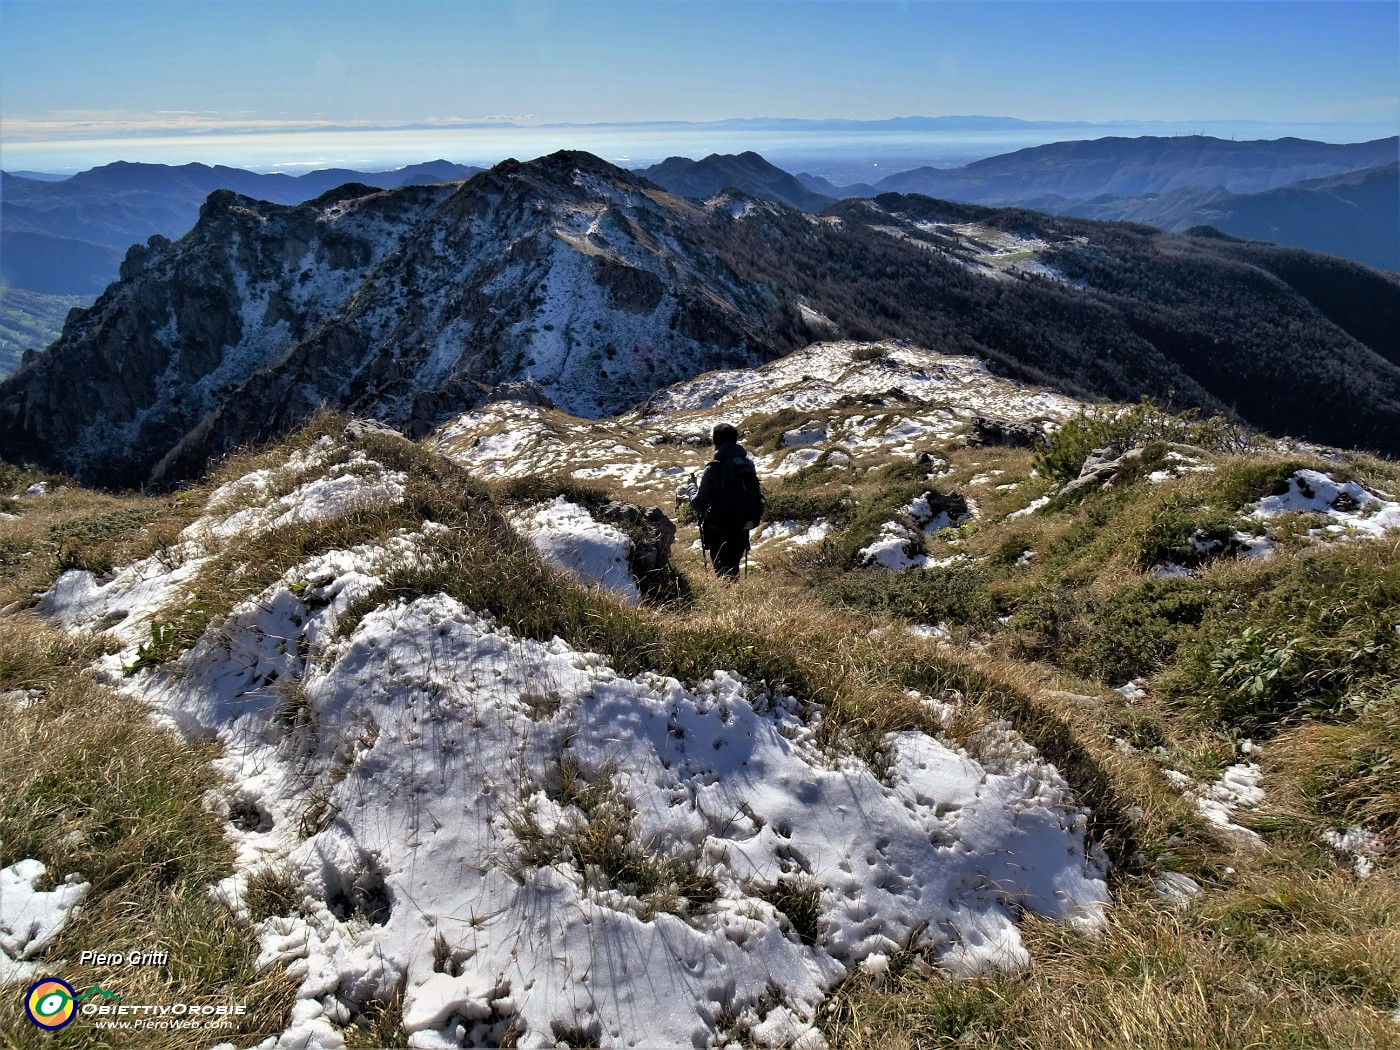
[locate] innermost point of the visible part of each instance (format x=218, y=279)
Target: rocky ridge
x=403, y=305
x=591, y=288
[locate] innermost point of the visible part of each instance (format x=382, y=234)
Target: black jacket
x=703, y=502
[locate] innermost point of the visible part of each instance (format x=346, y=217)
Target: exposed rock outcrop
x=988, y=431
x=565, y=280
x=650, y=530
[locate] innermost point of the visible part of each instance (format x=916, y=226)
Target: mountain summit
x=407, y=304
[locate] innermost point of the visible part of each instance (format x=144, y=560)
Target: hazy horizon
x=257, y=84
x=852, y=154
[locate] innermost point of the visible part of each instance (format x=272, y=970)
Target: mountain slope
x=828, y=805
x=405, y=304
x=748, y=172
x=1132, y=167
x=1098, y=308
x=25, y=319
x=66, y=237
x=189, y=322
x=1356, y=215
x=595, y=289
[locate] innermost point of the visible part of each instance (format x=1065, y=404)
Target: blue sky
x=101, y=70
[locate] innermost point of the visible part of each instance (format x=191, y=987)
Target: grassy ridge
x=1300, y=652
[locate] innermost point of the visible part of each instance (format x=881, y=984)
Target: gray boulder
x=650, y=530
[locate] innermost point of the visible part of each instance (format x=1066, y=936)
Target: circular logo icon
x=50, y=1003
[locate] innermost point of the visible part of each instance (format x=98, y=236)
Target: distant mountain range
x=63, y=241
x=1340, y=199
x=67, y=237
x=1132, y=167
x=1355, y=215
x=569, y=279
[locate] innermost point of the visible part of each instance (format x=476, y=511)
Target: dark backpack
x=738, y=502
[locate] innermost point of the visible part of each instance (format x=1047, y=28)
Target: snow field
x=817, y=376
x=429, y=729
x=510, y=439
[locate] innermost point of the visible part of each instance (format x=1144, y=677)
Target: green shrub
x=956, y=595
x=1062, y=456
x=805, y=503
x=1185, y=532
x=765, y=432
x=1131, y=632
x=1321, y=642
x=538, y=488
x=870, y=352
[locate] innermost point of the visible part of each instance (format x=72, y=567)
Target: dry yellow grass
x=1285, y=948
x=89, y=784
x=1248, y=967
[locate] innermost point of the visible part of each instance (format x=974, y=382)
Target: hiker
x=728, y=502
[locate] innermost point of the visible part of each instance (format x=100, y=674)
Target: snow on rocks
x=1178, y=464
x=793, y=534
x=591, y=551
x=125, y=602
x=938, y=632
x=1353, y=510
x=1030, y=508
x=1176, y=888
x=803, y=437
x=792, y=462
x=342, y=487
x=31, y=918
x=857, y=398
x=411, y=780
x=927, y=514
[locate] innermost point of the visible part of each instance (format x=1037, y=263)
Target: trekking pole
x=704, y=554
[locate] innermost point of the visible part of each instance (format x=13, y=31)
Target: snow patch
x=1363, y=847
x=1354, y=511
x=891, y=549
x=1030, y=508
x=569, y=538
x=358, y=482
x=1238, y=787
x=30, y=918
